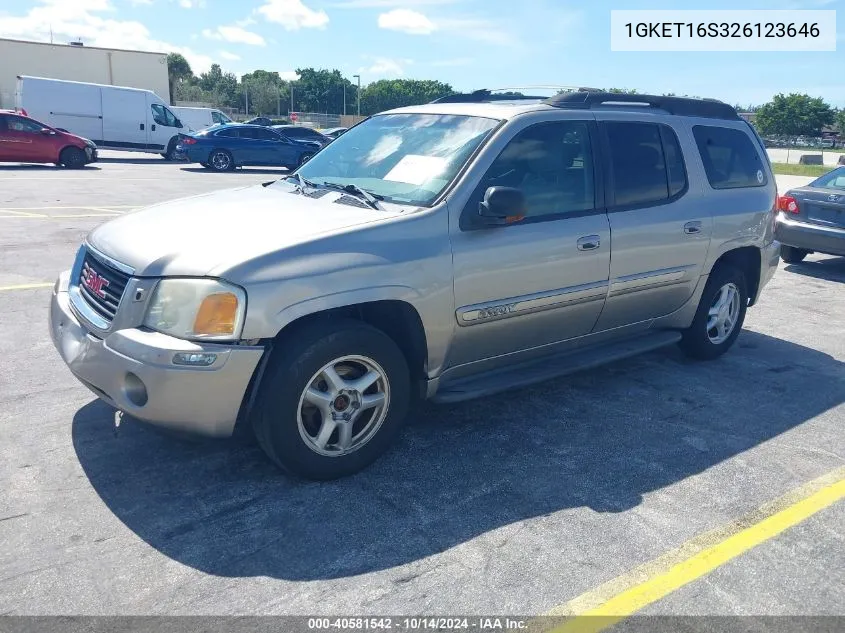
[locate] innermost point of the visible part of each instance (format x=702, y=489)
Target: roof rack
x=686, y=106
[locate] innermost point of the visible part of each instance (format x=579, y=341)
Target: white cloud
x=248, y=21
x=64, y=21
x=230, y=56
x=234, y=34
x=136, y=3
x=293, y=15
x=383, y=4
x=478, y=29
x=385, y=67
x=406, y=21
x=289, y=75
x=192, y=4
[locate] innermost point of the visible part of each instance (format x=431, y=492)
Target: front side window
x=17, y=124
x=405, y=158
x=163, y=116
x=730, y=159
x=219, y=117
x=231, y=132
x=551, y=163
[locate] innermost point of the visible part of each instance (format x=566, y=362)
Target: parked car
x=333, y=132
x=223, y=148
x=113, y=117
x=443, y=251
x=196, y=119
x=25, y=140
x=303, y=133
x=811, y=219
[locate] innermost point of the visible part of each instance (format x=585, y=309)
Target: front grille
x=101, y=286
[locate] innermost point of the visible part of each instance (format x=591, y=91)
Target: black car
x=811, y=219
x=303, y=133
x=260, y=120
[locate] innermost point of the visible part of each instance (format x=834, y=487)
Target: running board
x=548, y=367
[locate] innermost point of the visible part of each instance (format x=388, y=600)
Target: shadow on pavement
x=147, y=159
x=832, y=269
x=277, y=171
x=601, y=440
x=45, y=167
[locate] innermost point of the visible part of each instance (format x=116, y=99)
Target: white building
x=136, y=69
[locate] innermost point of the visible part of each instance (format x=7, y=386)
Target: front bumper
x=132, y=370
x=91, y=154
x=811, y=237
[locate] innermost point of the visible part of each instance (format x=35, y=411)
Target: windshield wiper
x=370, y=198
x=301, y=182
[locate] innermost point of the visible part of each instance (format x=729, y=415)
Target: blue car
x=224, y=147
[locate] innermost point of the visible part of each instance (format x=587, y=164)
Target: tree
x=794, y=115
x=178, y=71
x=839, y=121
x=387, y=94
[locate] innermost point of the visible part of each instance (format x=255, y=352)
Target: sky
x=468, y=43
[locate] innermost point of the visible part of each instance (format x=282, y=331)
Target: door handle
x=690, y=228
x=153, y=128
x=589, y=243
x=141, y=126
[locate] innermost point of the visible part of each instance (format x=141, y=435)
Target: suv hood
x=210, y=233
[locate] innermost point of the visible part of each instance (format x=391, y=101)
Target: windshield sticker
x=760, y=176
x=415, y=169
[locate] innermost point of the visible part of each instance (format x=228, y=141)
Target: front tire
x=720, y=315
x=792, y=255
x=333, y=399
x=72, y=158
x=221, y=160
x=171, y=149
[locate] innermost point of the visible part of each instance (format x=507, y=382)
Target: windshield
x=402, y=158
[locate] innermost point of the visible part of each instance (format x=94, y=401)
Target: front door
x=124, y=119
x=661, y=228
x=525, y=285
x=164, y=125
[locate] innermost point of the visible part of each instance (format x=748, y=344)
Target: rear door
x=661, y=229
x=125, y=119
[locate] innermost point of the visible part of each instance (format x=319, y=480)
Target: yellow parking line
x=27, y=286
x=620, y=598
x=17, y=213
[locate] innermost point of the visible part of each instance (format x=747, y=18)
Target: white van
x=113, y=117
x=196, y=119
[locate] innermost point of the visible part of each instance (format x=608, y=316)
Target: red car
x=25, y=140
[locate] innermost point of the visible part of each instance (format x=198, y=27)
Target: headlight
x=204, y=309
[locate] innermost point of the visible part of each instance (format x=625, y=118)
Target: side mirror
x=502, y=205
x=47, y=131
x=179, y=124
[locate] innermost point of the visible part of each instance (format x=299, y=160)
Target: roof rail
x=486, y=96
x=685, y=106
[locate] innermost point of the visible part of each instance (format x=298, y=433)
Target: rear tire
x=720, y=315
x=72, y=158
x=311, y=383
x=221, y=160
x=792, y=255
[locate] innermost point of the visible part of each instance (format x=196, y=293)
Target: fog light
x=135, y=390
x=195, y=360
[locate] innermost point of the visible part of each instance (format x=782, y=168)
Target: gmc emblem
x=95, y=282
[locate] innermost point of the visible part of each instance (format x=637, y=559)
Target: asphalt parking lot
x=541, y=500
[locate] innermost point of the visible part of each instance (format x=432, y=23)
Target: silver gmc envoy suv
x=444, y=251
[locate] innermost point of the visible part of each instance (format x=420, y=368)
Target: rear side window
x=730, y=158
x=646, y=163
x=228, y=132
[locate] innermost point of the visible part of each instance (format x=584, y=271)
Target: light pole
x=358, y=77
x=344, y=99
x=291, y=98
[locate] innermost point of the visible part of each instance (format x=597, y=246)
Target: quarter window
x=730, y=159
x=551, y=163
